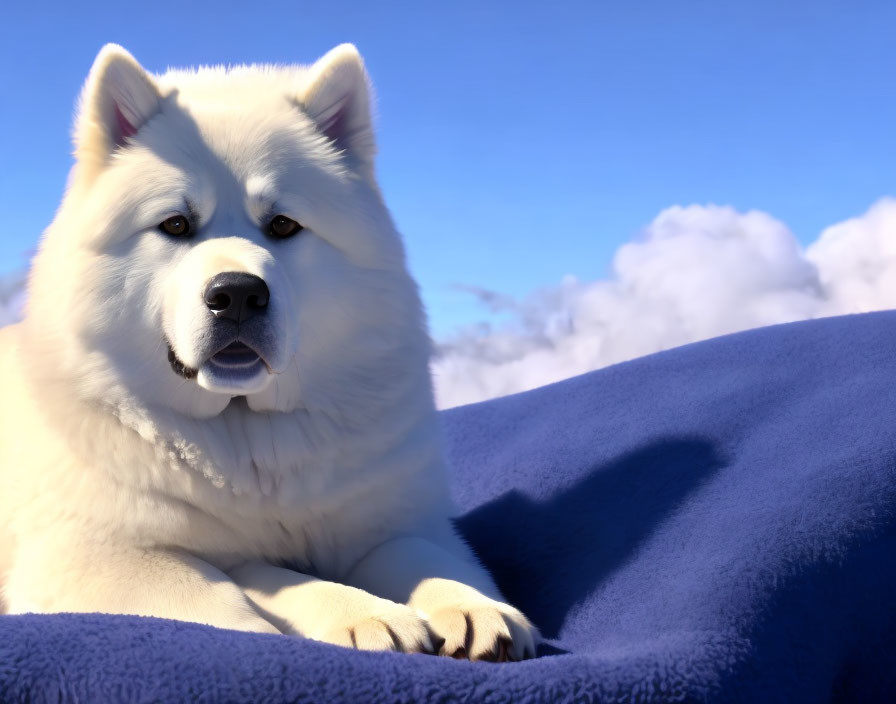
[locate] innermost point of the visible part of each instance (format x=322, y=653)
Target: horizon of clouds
x=12, y=296
x=695, y=272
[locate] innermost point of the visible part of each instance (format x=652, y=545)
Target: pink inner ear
x=125, y=128
x=334, y=123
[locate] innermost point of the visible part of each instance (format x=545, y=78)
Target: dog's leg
x=333, y=613
x=60, y=576
x=456, y=595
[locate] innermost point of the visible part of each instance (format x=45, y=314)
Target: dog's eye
x=176, y=225
x=282, y=227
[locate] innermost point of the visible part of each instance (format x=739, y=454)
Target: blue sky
x=519, y=141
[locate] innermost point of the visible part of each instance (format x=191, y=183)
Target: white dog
x=218, y=406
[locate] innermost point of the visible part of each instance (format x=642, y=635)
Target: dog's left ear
x=337, y=98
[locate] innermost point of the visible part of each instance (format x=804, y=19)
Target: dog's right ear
x=118, y=98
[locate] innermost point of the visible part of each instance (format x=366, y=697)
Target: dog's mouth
x=235, y=368
x=237, y=355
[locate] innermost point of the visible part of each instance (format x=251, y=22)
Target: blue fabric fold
x=714, y=523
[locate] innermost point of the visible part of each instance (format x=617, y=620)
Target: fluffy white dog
x=218, y=406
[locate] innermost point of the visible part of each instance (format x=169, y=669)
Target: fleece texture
x=714, y=523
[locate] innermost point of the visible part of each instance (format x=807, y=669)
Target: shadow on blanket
x=715, y=523
x=597, y=510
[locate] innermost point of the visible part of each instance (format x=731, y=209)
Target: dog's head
x=222, y=235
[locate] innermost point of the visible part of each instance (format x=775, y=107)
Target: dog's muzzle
x=239, y=336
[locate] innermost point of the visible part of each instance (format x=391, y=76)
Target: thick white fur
x=310, y=501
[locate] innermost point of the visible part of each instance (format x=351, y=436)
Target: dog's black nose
x=237, y=296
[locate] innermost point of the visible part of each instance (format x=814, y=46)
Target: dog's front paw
x=484, y=629
x=389, y=626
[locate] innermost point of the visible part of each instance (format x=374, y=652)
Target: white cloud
x=696, y=272
x=12, y=296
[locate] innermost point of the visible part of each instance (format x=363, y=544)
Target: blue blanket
x=710, y=524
